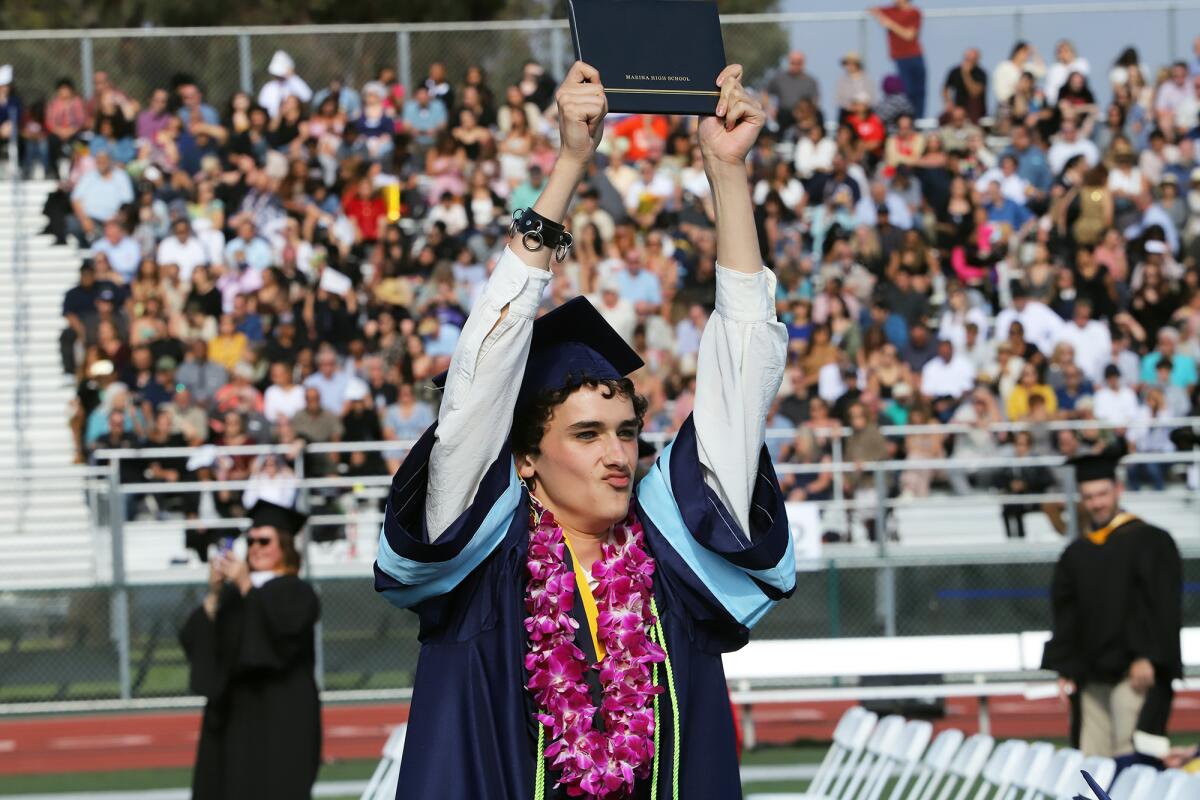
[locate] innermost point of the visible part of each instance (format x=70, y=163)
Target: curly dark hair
x=529, y=424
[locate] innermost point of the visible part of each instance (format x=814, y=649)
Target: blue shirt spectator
x=637, y=285
x=425, y=116
x=1183, y=369
x=100, y=193
x=1031, y=161
x=123, y=252
x=248, y=248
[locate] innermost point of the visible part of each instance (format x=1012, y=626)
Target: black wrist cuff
x=537, y=232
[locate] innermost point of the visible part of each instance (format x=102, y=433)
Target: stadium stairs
x=45, y=534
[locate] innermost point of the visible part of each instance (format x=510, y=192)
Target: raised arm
x=485, y=371
x=743, y=348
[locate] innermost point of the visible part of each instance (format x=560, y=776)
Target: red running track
x=110, y=742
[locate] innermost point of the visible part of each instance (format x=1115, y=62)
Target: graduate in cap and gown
x=251, y=652
x=1117, y=608
x=572, y=618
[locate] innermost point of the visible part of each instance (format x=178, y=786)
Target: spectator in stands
x=424, y=115
x=853, y=83
x=1183, y=367
x=66, y=120
x=329, y=382
x=122, y=251
x=1067, y=62
x=1022, y=479
x=98, y=197
x=202, y=377
x=903, y=23
x=1030, y=385
x=182, y=250
x=284, y=83
x=1023, y=58
x=789, y=86
x=945, y=379
x=283, y=398
x=966, y=86
x=1115, y=403
x=1147, y=438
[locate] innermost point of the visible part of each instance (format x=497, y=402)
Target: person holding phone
x=250, y=647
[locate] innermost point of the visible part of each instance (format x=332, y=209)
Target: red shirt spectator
x=910, y=17
x=647, y=135
x=367, y=208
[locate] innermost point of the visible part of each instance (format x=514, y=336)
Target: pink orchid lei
x=593, y=763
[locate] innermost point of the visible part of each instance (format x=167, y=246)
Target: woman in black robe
x=250, y=647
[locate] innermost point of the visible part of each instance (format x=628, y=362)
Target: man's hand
x=726, y=139
x=1141, y=675
x=582, y=106
x=1066, y=688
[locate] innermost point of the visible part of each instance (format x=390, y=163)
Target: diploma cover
x=653, y=56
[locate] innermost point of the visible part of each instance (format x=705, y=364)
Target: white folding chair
x=1193, y=786
x=1001, y=769
x=1134, y=783
x=965, y=768
x=1172, y=785
x=1057, y=776
x=934, y=764
x=875, y=757
x=382, y=785
x=1028, y=774
x=903, y=755
x=1100, y=768
x=849, y=738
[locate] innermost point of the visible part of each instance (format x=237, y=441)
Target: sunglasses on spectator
x=253, y=540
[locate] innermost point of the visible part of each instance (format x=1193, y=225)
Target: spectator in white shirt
x=450, y=213
x=814, y=153
x=1040, y=324
x=123, y=252
x=652, y=188
x=1173, y=93
x=283, y=398
x=183, y=249
x=956, y=316
x=1023, y=58
x=1066, y=62
x=1148, y=438
x=1113, y=402
x=946, y=378
x=616, y=310
x=1090, y=340
x=1070, y=144
x=1012, y=185
x=284, y=83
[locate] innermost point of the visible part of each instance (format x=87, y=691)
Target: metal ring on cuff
x=536, y=235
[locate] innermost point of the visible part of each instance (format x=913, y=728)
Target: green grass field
x=133, y=780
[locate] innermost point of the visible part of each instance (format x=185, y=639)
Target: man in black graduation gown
x=250, y=648
x=1117, y=606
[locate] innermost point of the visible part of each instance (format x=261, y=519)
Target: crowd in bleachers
x=294, y=266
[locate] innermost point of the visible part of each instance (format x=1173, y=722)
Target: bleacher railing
x=108, y=641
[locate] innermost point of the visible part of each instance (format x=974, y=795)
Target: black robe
x=1114, y=603
x=260, y=736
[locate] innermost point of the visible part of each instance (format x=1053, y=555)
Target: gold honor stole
x=589, y=601
x=1101, y=536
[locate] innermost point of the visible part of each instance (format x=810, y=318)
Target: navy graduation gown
x=471, y=730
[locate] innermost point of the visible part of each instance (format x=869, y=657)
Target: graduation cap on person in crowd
x=284, y=520
x=571, y=343
x=1100, y=466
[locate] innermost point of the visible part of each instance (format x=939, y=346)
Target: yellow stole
x=589, y=602
x=1101, y=536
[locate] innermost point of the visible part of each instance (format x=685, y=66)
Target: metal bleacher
x=44, y=524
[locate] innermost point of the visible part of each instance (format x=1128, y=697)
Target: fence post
x=404, y=59
x=120, y=593
x=558, y=66
x=245, y=64
x=839, y=487
x=86, y=66
x=1018, y=25
x=1070, y=489
x=886, y=576
x=862, y=40
x=302, y=505
x=832, y=582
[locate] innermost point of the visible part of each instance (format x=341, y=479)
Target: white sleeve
x=481, y=388
x=740, y=365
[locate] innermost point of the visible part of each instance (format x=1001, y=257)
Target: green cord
x=539, y=778
x=657, y=729
x=674, y=703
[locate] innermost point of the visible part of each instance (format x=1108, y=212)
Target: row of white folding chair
x=849, y=739
x=1140, y=782
x=1102, y=770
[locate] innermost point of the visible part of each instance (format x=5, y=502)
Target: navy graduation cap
x=284, y=520
x=571, y=343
